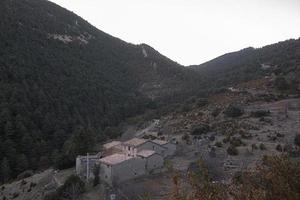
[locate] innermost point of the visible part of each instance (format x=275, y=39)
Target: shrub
x=218, y=144
x=225, y=140
x=15, y=195
x=279, y=147
x=200, y=129
x=32, y=185
x=233, y=111
x=216, y=112
x=72, y=189
x=262, y=146
x=254, y=146
x=202, y=102
x=236, y=142
x=23, y=182
x=279, y=135
x=146, y=137
x=281, y=83
x=25, y=174
x=297, y=140
x=260, y=113
x=185, y=137
x=212, y=138
x=232, y=150
x=185, y=107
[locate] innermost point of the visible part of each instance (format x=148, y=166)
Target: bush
x=72, y=189
x=216, y=112
x=201, y=129
x=202, y=102
x=185, y=108
x=32, y=185
x=260, y=113
x=236, y=142
x=218, y=144
x=281, y=84
x=232, y=150
x=297, y=140
x=233, y=111
x=185, y=137
x=254, y=146
x=262, y=146
x=225, y=140
x=212, y=138
x=23, y=182
x=25, y=174
x=279, y=147
x=15, y=195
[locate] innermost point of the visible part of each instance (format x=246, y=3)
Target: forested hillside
x=282, y=59
x=63, y=83
x=66, y=85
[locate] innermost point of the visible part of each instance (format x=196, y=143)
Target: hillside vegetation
x=62, y=80
x=66, y=85
x=282, y=59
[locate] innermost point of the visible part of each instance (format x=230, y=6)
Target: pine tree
x=5, y=170
x=21, y=163
x=9, y=130
x=27, y=144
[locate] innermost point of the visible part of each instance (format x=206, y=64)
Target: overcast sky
x=193, y=31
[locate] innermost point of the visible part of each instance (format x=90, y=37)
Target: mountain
x=60, y=77
x=282, y=59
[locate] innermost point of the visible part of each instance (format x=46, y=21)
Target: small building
x=120, y=167
x=153, y=159
x=131, y=147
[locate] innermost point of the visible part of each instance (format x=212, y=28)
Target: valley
x=67, y=89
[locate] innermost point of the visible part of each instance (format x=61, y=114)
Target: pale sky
x=193, y=31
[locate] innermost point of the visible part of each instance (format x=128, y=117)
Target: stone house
x=120, y=167
x=131, y=147
x=153, y=160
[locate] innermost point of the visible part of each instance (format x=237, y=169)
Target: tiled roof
x=115, y=159
x=146, y=153
x=111, y=144
x=160, y=142
x=135, y=142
